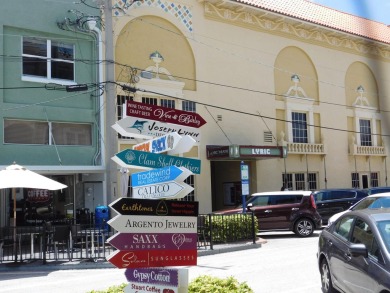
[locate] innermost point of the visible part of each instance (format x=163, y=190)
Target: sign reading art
x=164, y=114
x=146, y=207
x=133, y=159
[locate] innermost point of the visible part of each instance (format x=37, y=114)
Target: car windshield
x=384, y=230
x=373, y=203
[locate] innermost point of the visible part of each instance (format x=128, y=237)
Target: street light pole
x=111, y=146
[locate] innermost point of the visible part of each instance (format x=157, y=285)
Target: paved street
x=284, y=264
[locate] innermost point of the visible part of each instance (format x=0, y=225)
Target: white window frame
x=366, y=114
x=305, y=106
x=48, y=59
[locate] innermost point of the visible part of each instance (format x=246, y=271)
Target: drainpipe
x=91, y=24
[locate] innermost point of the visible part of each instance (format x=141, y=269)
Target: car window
x=365, y=203
x=286, y=199
x=339, y=194
x=260, y=201
x=343, y=227
x=320, y=196
x=362, y=233
x=382, y=202
x=384, y=230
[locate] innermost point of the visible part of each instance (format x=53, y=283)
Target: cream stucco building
x=298, y=92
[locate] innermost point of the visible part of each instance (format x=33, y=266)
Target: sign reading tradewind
x=137, y=159
x=164, y=114
x=146, y=128
x=171, y=143
x=159, y=175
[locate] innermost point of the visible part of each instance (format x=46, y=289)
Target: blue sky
x=378, y=10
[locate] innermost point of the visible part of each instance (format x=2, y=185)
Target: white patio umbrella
x=16, y=176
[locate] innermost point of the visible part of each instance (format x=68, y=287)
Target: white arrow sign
x=171, y=143
x=153, y=224
x=122, y=132
x=139, y=127
x=170, y=189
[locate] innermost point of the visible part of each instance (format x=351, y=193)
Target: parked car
x=375, y=190
x=283, y=210
x=354, y=252
x=380, y=200
x=333, y=201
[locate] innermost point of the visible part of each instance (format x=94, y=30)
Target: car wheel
x=326, y=279
x=304, y=227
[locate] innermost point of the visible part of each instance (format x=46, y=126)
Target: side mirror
x=358, y=250
x=248, y=206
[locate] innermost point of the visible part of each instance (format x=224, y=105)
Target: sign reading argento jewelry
x=153, y=224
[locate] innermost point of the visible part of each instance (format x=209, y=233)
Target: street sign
x=153, y=241
x=153, y=224
x=160, y=175
x=137, y=159
x=172, y=143
x=138, y=127
x=170, y=190
x=164, y=114
x=152, y=258
x=132, y=206
x=159, y=276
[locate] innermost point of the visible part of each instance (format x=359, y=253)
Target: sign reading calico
x=158, y=276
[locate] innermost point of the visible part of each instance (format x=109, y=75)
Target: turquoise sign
x=153, y=161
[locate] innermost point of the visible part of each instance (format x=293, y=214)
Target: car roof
x=338, y=189
x=286, y=192
x=383, y=194
x=381, y=214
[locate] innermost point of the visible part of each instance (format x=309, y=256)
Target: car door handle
x=268, y=211
x=330, y=243
x=347, y=255
x=295, y=209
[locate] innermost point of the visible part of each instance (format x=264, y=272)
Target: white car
x=374, y=201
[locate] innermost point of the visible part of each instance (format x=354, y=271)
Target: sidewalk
x=52, y=265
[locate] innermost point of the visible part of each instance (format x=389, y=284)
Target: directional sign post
x=137, y=159
x=164, y=114
x=146, y=128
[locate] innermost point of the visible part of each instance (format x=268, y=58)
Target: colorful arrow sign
x=132, y=206
x=160, y=276
x=138, y=127
x=171, y=189
x=153, y=224
x=123, y=132
x=164, y=114
x=146, y=288
x=153, y=241
x=152, y=258
x=138, y=159
x=160, y=175
x=172, y=143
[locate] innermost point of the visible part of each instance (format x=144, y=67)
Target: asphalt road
x=284, y=264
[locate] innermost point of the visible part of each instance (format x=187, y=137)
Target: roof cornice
x=255, y=18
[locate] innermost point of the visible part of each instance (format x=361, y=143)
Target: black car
x=354, y=252
x=375, y=190
x=333, y=201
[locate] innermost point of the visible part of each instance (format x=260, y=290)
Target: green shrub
x=208, y=284
x=202, y=284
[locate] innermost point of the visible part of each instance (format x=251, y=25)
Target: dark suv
x=283, y=210
x=333, y=201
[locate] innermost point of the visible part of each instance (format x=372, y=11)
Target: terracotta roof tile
x=315, y=13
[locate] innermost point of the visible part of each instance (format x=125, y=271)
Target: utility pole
x=111, y=141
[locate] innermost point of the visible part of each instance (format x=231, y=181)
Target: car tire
x=326, y=279
x=304, y=227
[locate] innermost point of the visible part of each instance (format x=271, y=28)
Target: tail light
x=313, y=202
